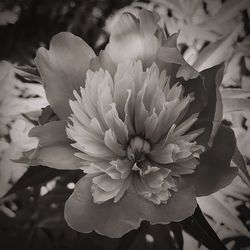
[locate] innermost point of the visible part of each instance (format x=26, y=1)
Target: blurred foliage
x=39, y=20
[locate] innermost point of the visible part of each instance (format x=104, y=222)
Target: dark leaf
x=48, y=115
x=177, y=230
x=214, y=171
x=35, y=175
x=239, y=160
x=198, y=227
x=207, y=102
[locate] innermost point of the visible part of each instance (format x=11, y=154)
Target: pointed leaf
x=199, y=228
x=238, y=159
x=217, y=52
x=213, y=206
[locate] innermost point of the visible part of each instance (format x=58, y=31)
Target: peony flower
x=140, y=122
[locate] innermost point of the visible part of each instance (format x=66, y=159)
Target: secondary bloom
x=140, y=122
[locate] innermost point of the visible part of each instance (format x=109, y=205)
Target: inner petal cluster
x=138, y=149
x=130, y=134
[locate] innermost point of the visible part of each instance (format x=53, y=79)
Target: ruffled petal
x=117, y=125
x=214, y=171
x=63, y=68
x=116, y=219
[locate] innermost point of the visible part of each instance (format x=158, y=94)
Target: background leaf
x=35, y=175
x=199, y=228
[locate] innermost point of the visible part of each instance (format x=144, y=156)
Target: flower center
x=137, y=149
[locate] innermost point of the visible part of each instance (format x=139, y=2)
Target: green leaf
x=35, y=175
x=198, y=227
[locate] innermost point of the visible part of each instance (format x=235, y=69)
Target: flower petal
x=104, y=61
x=50, y=133
x=125, y=41
x=56, y=156
x=214, y=171
x=133, y=38
x=54, y=148
x=112, y=143
x=116, y=219
x=63, y=68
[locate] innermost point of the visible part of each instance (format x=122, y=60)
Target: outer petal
x=207, y=102
x=63, y=69
x=133, y=38
x=116, y=219
x=103, y=60
x=54, y=148
x=56, y=156
x=214, y=171
x=51, y=133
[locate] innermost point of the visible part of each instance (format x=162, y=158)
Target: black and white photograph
x=125, y=124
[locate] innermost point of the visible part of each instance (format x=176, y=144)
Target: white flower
x=136, y=119
x=125, y=130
